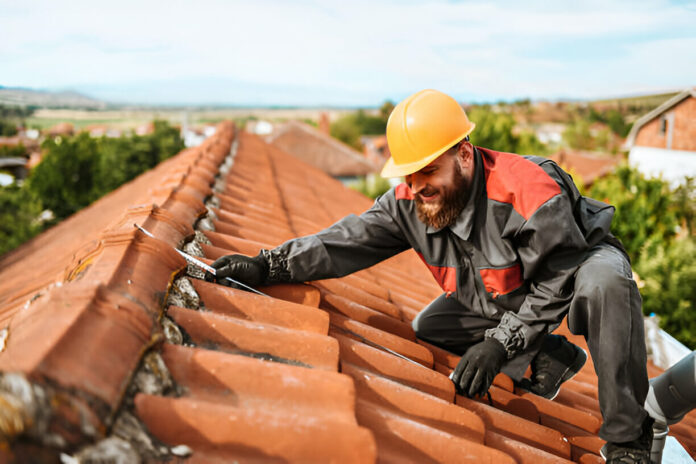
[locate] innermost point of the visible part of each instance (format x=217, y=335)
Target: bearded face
x=449, y=200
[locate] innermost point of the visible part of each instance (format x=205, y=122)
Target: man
x=515, y=249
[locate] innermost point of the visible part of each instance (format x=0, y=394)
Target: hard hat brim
x=391, y=169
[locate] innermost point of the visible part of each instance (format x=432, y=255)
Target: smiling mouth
x=429, y=197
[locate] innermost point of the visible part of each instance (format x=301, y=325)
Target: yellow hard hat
x=421, y=128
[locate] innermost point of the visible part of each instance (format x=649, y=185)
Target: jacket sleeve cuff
x=277, y=266
x=512, y=333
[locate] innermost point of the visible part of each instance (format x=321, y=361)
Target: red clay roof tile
x=253, y=383
x=512, y=426
x=369, y=316
x=246, y=305
x=395, y=368
x=416, y=405
x=237, y=335
x=254, y=434
x=355, y=329
x=522, y=452
x=400, y=439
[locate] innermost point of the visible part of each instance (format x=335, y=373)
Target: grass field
x=45, y=118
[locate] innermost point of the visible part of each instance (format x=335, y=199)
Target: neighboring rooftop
x=586, y=166
x=320, y=150
x=111, y=346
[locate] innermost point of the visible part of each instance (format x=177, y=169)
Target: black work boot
x=557, y=361
x=631, y=452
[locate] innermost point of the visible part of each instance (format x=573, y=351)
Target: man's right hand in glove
x=250, y=271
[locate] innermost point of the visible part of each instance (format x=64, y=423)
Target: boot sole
x=569, y=373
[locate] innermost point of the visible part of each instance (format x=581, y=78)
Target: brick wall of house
x=684, y=131
x=685, y=125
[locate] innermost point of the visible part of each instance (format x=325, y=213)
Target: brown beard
x=451, y=204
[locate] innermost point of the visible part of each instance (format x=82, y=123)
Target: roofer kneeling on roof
x=514, y=247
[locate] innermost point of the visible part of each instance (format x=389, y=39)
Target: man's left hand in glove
x=478, y=367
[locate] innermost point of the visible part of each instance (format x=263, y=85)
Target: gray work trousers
x=606, y=310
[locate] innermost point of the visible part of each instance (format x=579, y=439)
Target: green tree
x=13, y=152
x=577, y=135
x=125, y=158
x=648, y=215
x=19, y=212
x=645, y=213
x=685, y=204
x=350, y=127
x=11, y=117
x=120, y=160
x=493, y=130
x=166, y=141
x=668, y=277
x=371, y=185
x=8, y=128
x=64, y=180
x=617, y=123
x=496, y=131
x=386, y=109
x=529, y=144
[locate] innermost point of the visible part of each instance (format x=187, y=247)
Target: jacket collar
x=464, y=224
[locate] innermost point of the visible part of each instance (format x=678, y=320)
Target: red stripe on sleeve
x=517, y=181
x=446, y=277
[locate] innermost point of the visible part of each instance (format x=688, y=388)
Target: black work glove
x=250, y=271
x=478, y=367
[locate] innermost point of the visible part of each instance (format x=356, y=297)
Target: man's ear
x=465, y=155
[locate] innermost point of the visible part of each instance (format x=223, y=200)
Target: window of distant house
x=663, y=125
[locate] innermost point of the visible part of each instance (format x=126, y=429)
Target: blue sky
x=347, y=53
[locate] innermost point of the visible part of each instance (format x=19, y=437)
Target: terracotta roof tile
x=246, y=305
x=236, y=335
x=416, y=405
x=214, y=376
x=395, y=368
x=238, y=433
x=400, y=439
x=113, y=341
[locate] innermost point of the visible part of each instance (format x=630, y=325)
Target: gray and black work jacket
x=510, y=256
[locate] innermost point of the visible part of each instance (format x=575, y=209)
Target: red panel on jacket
x=445, y=276
x=517, y=181
x=502, y=281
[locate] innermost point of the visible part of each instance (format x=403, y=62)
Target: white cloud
x=357, y=51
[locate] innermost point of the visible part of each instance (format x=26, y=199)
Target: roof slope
x=124, y=341
x=320, y=150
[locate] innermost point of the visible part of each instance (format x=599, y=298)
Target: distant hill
x=639, y=102
x=46, y=99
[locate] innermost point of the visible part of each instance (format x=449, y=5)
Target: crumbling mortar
x=219, y=183
x=200, y=237
x=29, y=410
x=183, y=294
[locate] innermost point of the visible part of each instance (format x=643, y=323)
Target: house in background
x=663, y=142
x=321, y=150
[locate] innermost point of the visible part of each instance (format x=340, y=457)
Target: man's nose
x=416, y=183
